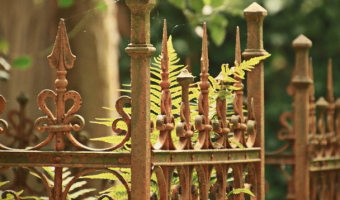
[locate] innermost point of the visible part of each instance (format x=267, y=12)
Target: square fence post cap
x=255, y=8
x=302, y=42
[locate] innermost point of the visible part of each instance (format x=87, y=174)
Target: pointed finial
x=22, y=99
x=256, y=9
x=238, y=47
x=302, y=42
x=204, y=57
x=311, y=89
x=330, y=95
x=61, y=55
x=165, y=57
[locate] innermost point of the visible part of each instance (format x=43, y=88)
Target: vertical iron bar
x=140, y=51
x=62, y=59
x=254, y=15
x=301, y=82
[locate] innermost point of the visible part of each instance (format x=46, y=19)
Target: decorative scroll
x=184, y=129
x=21, y=131
x=44, y=179
x=3, y=123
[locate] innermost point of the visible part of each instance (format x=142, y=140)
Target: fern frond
x=3, y=183
x=239, y=190
x=80, y=192
x=77, y=185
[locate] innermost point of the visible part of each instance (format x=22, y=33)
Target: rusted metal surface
x=192, y=157
x=255, y=15
x=301, y=82
x=140, y=51
x=209, y=158
x=65, y=159
x=315, y=139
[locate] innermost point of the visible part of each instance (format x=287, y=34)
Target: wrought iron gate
x=164, y=157
x=314, y=143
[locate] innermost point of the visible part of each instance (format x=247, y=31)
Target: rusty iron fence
x=312, y=142
x=145, y=159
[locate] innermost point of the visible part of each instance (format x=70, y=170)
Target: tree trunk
x=30, y=28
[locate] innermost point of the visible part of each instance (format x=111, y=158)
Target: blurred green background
x=287, y=19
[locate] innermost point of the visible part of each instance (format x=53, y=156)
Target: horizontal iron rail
x=65, y=159
x=123, y=159
x=205, y=157
x=324, y=164
x=280, y=159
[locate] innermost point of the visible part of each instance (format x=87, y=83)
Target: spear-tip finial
x=255, y=8
x=238, y=47
x=165, y=57
x=330, y=95
x=61, y=56
x=302, y=42
x=204, y=57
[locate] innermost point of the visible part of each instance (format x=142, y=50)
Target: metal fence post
x=140, y=51
x=301, y=82
x=254, y=15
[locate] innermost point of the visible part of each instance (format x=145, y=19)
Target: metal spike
x=238, y=47
x=61, y=56
x=204, y=57
x=311, y=89
x=165, y=56
x=330, y=95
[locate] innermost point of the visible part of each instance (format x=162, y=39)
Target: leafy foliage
x=75, y=190
x=241, y=190
x=22, y=62
x=155, y=90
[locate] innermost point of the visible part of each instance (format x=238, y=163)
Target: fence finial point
x=238, y=47
x=204, y=57
x=255, y=8
x=165, y=57
x=302, y=42
x=311, y=76
x=330, y=95
x=61, y=56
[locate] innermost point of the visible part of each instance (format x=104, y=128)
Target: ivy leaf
x=22, y=62
x=178, y=3
x=217, y=29
x=65, y=3
x=196, y=5
x=217, y=34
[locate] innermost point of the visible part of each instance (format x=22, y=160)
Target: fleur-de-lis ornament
x=61, y=59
